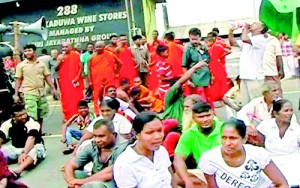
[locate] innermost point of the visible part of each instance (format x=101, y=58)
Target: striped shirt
x=287, y=48
x=164, y=71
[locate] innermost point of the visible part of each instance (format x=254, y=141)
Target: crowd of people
x=163, y=113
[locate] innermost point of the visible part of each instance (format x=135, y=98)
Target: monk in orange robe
x=175, y=54
x=123, y=53
x=113, y=43
x=103, y=65
x=137, y=82
x=70, y=80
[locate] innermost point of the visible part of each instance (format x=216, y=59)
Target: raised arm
x=188, y=74
x=231, y=38
x=118, y=64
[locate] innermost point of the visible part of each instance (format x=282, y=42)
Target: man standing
x=45, y=57
x=288, y=57
x=113, y=43
x=175, y=54
x=52, y=67
x=141, y=57
x=193, y=54
x=272, y=59
x=103, y=152
x=123, y=52
x=104, y=65
x=70, y=80
x=251, y=60
x=155, y=41
x=31, y=74
x=85, y=58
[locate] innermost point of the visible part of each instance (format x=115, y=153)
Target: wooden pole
x=17, y=33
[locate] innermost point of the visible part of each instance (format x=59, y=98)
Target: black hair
x=122, y=35
x=104, y=122
x=277, y=104
x=53, y=49
x=195, y=31
x=111, y=103
x=155, y=31
x=30, y=46
x=124, y=81
x=200, y=107
x=113, y=36
x=83, y=103
x=44, y=51
x=134, y=91
x=17, y=108
x=142, y=119
x=90, y=43
x=136, y=37
x=215, y=29
x=169, y=36
x=238, y=124
x=161, y=49
x=213, y=34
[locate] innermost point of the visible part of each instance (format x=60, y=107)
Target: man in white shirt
x=127, y=108
x=251, y=60
x=272, y=60
x=122, y=126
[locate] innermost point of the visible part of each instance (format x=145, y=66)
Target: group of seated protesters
x=183, y=145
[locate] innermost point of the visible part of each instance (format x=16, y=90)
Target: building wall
x=79, y=21
x=149, y=15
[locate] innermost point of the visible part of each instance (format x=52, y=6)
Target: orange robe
x=153, y=80
x=102, y=67
x=110, y=48
x=175, y=58
x=128, y=69
x=70, y=95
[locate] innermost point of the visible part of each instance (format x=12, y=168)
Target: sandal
x=68, y=150
x=46, y=134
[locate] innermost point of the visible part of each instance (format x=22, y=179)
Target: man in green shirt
x=85, y=58
x=194, y=52
x=174, y=97
x=202, y=136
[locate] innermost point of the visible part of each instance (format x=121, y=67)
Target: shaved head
x=99, y=46
x=67, y=47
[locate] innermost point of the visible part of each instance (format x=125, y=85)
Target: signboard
x=77, y=22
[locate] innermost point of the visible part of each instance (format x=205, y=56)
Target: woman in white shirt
x=146, y=163
x=281, y=137
x=236, y=164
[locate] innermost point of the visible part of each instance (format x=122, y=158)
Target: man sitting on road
x=201, y=137
x=26, y=141
x=103, y=152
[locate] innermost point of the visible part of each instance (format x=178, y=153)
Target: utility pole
x=17, y=34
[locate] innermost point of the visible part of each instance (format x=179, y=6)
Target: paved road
x=48, y=175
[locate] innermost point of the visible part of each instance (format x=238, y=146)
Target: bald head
x=67, y=47
x=99, y=46
x=256, y=28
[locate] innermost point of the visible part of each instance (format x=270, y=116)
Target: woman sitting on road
x=281, y=137
x=146, y=163
x=236, y=164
